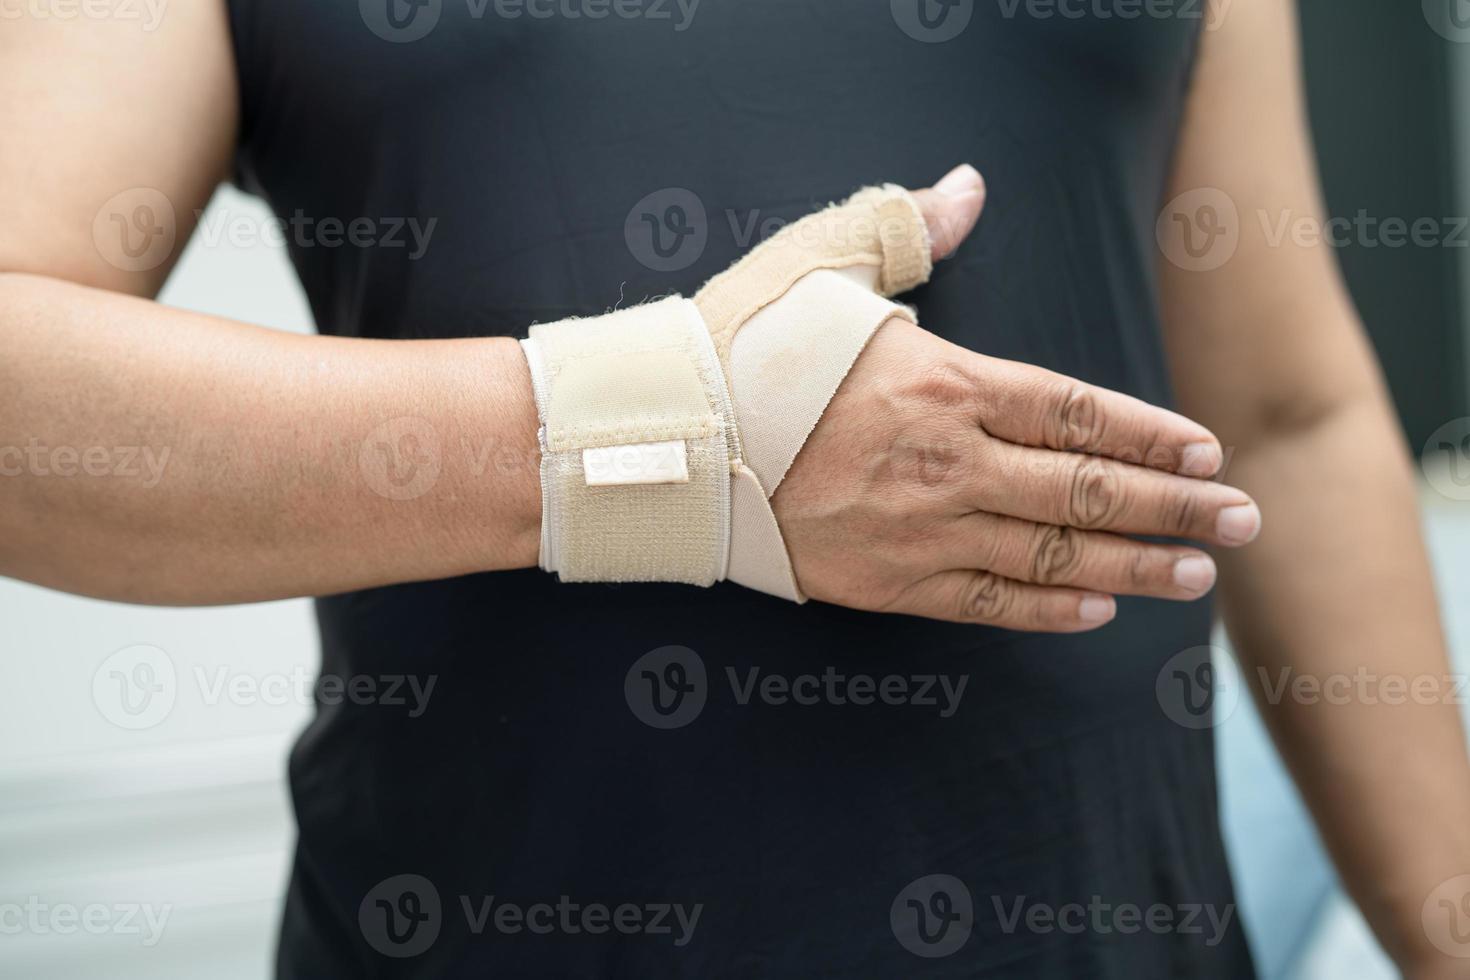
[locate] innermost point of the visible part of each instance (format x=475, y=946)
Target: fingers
x=951, y=208
x=1045, y=554
x=1092, y=493
x=1035, y=407
x=991, y=600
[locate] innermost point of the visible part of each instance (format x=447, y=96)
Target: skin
x=940, y=483
x=1267, y=351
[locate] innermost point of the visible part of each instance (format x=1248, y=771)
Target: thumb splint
x=666, y=428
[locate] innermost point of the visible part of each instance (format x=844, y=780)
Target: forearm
x=153, y=455
x=1333, y=615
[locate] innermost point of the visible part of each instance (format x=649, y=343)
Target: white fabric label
x=636, y=464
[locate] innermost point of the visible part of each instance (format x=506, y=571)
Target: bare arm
x=1268, y=352
x=941, y=483
x=153, y=455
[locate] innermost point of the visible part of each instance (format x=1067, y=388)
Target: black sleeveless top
x=661, y=781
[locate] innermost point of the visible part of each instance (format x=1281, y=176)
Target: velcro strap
x=636, y=446
x=880, y=227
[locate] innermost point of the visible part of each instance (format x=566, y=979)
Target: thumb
x=951, y=207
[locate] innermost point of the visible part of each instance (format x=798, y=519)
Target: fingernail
x=1095, y=609
x=1199, y=459
x=1195, y=573
x=1238, y=524
x=960, y=181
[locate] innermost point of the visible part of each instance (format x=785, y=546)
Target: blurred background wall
x=179, y=807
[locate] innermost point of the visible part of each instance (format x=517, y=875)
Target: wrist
x=522, y=474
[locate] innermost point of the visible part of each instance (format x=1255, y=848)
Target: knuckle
x=946, y=385
x=986, y=598
x=1078, y=417
x=1057, y=555
x=1095, y=496
x=1181, y=512
x=1142, y=571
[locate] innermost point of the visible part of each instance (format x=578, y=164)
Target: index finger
x=1032, y=406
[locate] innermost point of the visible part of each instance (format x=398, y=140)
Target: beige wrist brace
x=666, y=428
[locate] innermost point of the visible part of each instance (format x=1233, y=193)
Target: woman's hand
x=947, y=484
